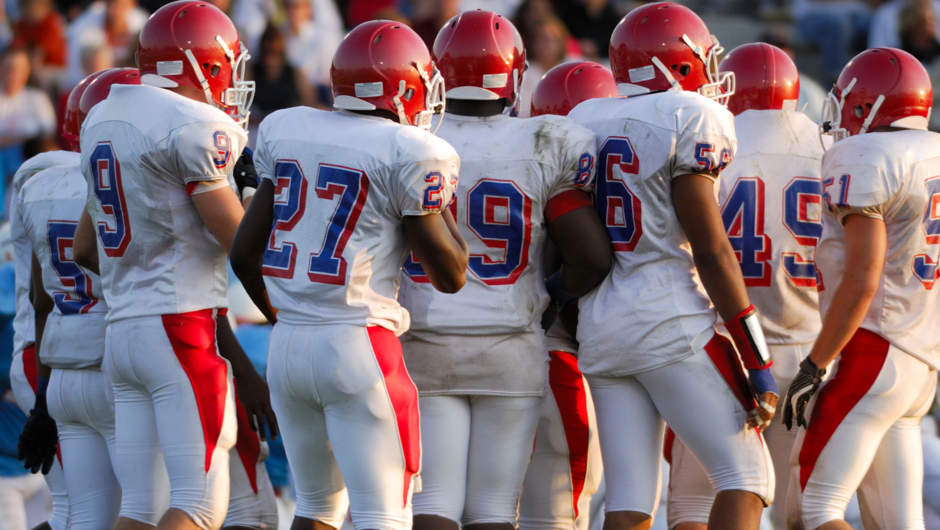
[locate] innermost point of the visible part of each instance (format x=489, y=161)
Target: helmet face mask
x=435, y=101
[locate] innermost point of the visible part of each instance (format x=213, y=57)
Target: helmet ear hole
x=214, y=72
x=684, y=70
x=409, y=94
x=859, y=111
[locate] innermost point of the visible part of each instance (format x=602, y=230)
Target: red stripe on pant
x=668, y=441
x=404, y=397
x=247, y=444
x=192, y=336
x=570, y=396
x=725, y=359
x=862, y=360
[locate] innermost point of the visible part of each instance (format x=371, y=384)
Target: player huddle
x=453, y=354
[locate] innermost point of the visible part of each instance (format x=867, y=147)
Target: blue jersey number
x=926, y=267
x=327, y=265
x=352, y=185
x=620, y=209
x=78, y=299
x=290, y=200
x=743, y=216
x=802, y=215
x=106, y=173
x=500, y=215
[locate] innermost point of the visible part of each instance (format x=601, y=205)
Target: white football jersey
x=51, y=204
x=144, y=151
x=23, y=330
x=651, y=310
x=893, y=176
x=770, y=205
x=516, y=176
x=343, y=184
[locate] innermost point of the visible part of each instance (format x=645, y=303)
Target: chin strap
x=200, y=77
x=399, y=108
x=871, y=115
x=662, y=68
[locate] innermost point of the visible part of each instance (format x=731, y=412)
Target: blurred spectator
x=919, y=31
x=25, y=112
x=885, y=29
x=359, y=11
x=506, y=8
x=310, y=47
x=6, y=34
x=252, y=17
x=41, y=31
x=838, y=27
x=592, y=22
x=277, y=84
x=545, y=50
x=113, y=22
x=429, y=16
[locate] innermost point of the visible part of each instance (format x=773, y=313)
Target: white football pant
x=348, y=412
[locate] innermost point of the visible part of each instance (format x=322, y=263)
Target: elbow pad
x=748, y=337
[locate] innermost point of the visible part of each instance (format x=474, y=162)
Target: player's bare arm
x=694, y=200
x=585, y=250
x=85, y=249
x=443, y=253
x=247, y=253
x=221, y=211
x=251, y=387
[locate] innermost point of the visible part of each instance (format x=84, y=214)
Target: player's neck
x=189, y=92
x=472, y=107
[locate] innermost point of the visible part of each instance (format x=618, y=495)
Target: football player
x=157, y=160
x=648, y=345
x=343, y=196
x=24, y=377
x=566, y=469
x=70, y=332
x=878, y=258
x=479, y=358
x=770, y=200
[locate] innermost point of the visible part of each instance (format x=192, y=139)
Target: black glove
x=245, y=174
x=39, y=439
x=801, y=389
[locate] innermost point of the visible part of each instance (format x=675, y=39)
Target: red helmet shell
x=888, y=72
x=385, y=65
x=99, y=88
x=71, y=125
x=481, y=56
x=565, y=86
x=765, y=78
x=676, y=38
x=191, y=43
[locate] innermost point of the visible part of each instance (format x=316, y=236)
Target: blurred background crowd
x=48, y=46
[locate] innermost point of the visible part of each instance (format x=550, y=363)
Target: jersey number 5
x=106, y=174
x=61, y=236
x=328, y=265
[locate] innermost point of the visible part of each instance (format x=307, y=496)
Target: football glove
x=39, y=439
x=802, y=388
x=246, y=176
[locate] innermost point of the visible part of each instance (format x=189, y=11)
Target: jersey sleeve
x=857, y=189
x=206, y=152
x=576, y=171
x=424, y=180
x=705, y=140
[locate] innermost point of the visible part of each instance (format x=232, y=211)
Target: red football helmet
x=385, y=65
x=481, y=57
x=664, y=45
x=765, y=78
x=71, y=126
x=879, y=87
x=189, y=43
x=99, y=88
x=566, y=85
